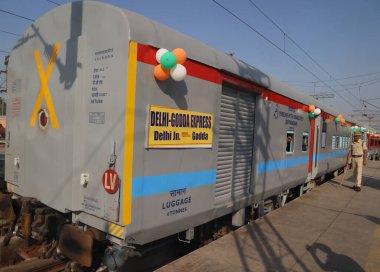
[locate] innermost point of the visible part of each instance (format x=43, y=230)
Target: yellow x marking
x=44, y=90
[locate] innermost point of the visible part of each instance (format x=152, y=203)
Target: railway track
x=37, y=265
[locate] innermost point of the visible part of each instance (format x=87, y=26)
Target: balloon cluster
x=313, y=111
x=359, y=129
x=170, y=64
x=340, y=119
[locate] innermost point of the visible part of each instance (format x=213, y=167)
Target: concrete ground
x=332, y=228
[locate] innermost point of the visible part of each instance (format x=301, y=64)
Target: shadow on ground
x=372, y=182
x=328, y=260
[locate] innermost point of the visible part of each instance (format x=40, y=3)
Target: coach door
x=318, y=142
x=236, y=124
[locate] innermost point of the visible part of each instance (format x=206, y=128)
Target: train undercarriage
x=30, y=230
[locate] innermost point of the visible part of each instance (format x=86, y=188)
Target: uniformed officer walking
x=358, y=155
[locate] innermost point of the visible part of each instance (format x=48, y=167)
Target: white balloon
x=317, y=111
x=159, y=54
x=178, y=73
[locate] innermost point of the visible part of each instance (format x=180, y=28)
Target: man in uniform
x=358, y=155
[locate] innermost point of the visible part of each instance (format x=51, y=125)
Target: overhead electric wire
x=364, y=85
x=17, y=15
x=276, y=46
x=361, y=84
x=342, y=78
x=10, y=33
x=364, y=101
x=300, y=47
x=362, y=75
x=53, y=2
x=370, y=82
x=348, y=85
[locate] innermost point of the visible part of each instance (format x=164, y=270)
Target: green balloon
x=337, y=119
x=168, y=60
x=311, y=114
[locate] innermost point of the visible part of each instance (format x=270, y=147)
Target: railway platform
x=331, y=228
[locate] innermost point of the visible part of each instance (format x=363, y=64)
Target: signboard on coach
x=174, y=128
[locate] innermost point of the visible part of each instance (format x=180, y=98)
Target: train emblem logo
x=110, y=181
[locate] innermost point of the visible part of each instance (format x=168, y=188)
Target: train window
x=305, y=141
x=337, y=141
x=333, y=142
x=323, y=140
x=289, y=141
x=324, y=130
x=347, y=142
x=341, y=142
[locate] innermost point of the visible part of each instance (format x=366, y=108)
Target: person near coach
x=358, y=156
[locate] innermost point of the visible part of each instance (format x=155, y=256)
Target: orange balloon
x=161, y=73
x=180, y=54
x=340, y=116
x=311, y=107
x=342, y=120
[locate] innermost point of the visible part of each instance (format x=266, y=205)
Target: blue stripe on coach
x=265, y=167
x=326, y=156
x=151, y=185
x=270, y=166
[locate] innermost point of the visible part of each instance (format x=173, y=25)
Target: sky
x=324, y=46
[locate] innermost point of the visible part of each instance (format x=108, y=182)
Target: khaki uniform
x=357, y=153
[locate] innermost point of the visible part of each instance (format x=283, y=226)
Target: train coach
x=122, y=131
x=373, y=142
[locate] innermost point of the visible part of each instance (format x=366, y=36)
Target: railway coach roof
x=147, y=31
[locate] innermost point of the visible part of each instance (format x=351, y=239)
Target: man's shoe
x=358, y=188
